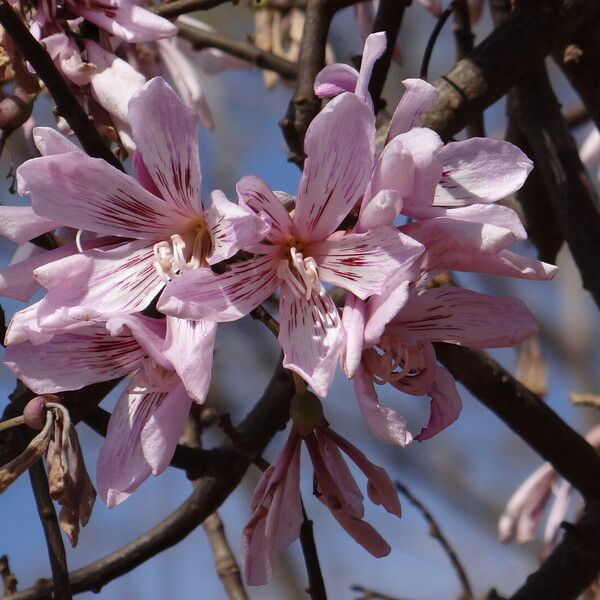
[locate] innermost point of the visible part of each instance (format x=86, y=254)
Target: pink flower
x=276, y=504
x=171, y=362
x=162, y=216
x=401, y=325
x=302, y=251
x=524, y=511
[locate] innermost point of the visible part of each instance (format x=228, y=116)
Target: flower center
x=186, y=251
x=298, y=272
x=152, y=377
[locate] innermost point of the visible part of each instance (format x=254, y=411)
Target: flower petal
x=463, y=317
x=71, y=361
x=382, y=309
x=363, y=262
x=163, y=428
x=445, y=405
x=231, y=227
x=256, y=194
x=418, y=98
x=480, y=170
x=312, y=337
x=339, y=147
x=20, y=224
x=394, y=169
x=200, y=294
x=88, y=193
x=385, y=423
x=49, y=141
x=353, y=320
x=335, y=79
x=100, y=282
x=374, y=47
x=168, y=143
x=189, y=346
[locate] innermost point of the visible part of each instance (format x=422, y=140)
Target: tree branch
x=66, y=103
x=170, y=10
x=527, y=415
x=268, y=416
x=530, y=32
x=210, y=39
x=9, y=581
x=316, y=585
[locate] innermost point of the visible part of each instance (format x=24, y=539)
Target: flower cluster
x=377, y=224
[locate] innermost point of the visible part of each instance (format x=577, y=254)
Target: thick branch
x=531, y=32
x=580, y=62
x=66, y=103
x=570, y=191
x=210, y=39
x=572, y=567
x=268, y=416
x=527, y=415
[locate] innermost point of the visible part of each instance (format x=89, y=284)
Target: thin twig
x=433, y=39
x=389, y=20
x=9, y=581
x=436, y=532
x=304, y=106
x=578, y=115
x=260, y=313
x=260, y=58
x=369, y=594
x=66, y=102
x=56, y=549
x=316, y=584
x=170, y=10
x=591, y=400
x=268, y=416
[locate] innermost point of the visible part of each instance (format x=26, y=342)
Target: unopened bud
x=34, y=412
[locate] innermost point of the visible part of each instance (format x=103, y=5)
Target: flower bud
x=34, y=413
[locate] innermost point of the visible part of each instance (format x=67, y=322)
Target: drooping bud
x=34, y=412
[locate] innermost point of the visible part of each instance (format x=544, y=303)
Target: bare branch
x=170, y=10
x=9, y=581
x=316, y=584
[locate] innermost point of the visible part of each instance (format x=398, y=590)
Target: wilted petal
x=200, y=294
x=20, y=224
x=163, y=427
x=339, y=147
x=131, y=23
x=168, y=143
x=189, y=346
x=312, y=337
x=418, y=98
x=385, y=423
x=445, y=404
x=363, y=262
x=479, y=170
x=88, y=193
x=231, y=227
x=382, y=309
x=459, y=316
x=100, y=282
x=71, y=361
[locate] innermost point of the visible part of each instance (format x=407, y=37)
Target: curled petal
x=419, y=97
x=335, y=79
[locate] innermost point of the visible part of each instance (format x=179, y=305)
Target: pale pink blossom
x=168, y=230
x=301, y=251
x=276, y=505
x=525, y=509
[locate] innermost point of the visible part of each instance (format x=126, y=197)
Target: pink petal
x=363, y=262
x=558, y=512
x=480, y=170
x=142, y=175
x=385, y=423
x=526, y=505
x=99, y=282
x=380, y=210
x=394, y=169
x=374, y=47
x=422, y=144
x=189, y=346
x=20, y=224
x=163, y=428
x=509, y=264
x=232, y=227
x=380, y=487
x=419, y=97
x=335, y=79
x=49, y=141
x=168, y=143
x=353, y=320
x=311, y=336
x=131, y=23
x=464, y=317
x=201, y=294
x=445, y=405
x=256, y=194
x=339, y=147
x=382, y=309
x=88, y=193
x=24, y=327
x=71, y=361
x=433, y=6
